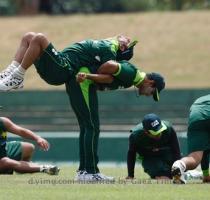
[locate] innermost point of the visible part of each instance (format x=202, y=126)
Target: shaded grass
x=176, y=44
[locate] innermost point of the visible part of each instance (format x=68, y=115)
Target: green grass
x=42, y=186
x=176, y=44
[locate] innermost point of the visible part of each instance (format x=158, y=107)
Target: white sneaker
x=79, y=175
x=94, y=177
x=193, y=175
x=50, y=169
x=11, y=82
x=177, y=172
x=7, y=71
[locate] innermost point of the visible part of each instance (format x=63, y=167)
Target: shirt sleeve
x=205, y=163
x=131, y=157
x=175, y=145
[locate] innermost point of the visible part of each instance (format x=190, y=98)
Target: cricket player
x=16, y=156
x=155, y=141
x=198, y=137
x=114, y=75
x=61, y=67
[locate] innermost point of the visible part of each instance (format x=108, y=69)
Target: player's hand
x=43, y=144
x=206, y=179
x=81, y=76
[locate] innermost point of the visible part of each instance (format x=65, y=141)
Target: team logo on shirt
x=55, y=52
x=98, y=58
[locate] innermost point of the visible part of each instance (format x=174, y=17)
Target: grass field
x=177, y=44
x=44, y=187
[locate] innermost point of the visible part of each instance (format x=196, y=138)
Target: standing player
x=155, y=141
x=16, y=156
x=112, y=75
x=198, y=137
x=61, y=67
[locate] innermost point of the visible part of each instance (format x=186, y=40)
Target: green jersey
x=127, y=76
x=91, y=53
x=200, y=109
x=146, y=146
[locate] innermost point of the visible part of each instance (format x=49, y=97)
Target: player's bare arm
x=98, y=78
x=109, y=67
x=25, y=133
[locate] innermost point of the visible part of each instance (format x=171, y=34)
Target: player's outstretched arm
x=25, y=133
x=97, y=78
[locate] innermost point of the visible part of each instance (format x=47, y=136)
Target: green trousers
x=84, y=101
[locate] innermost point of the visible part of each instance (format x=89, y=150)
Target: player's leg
x=27, y=151
x=83, y=98
x=198, y=137
x=157, y=167
x=26, y=167
x=24, y=44
x=35, y=48
x=22, y=152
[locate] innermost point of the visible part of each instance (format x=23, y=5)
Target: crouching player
x=156, y=142
x=16, y=156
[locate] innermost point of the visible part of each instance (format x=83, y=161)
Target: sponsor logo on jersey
x=98, y=58
x=55, y=52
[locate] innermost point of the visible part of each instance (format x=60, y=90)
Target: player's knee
x=27, y=150
x=28, y=36
x=6, y=163
x=41, y=40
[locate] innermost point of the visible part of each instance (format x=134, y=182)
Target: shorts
x=13, y=150
x=53, y=67
x=157, y=166
x=198, y=136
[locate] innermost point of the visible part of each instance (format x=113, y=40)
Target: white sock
x=15, y=63
x=19, y=71
x=180, y=164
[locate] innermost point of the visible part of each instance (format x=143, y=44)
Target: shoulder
x=136, y=131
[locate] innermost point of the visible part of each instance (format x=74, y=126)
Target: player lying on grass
x=16, y=156
x=198, y=137
x=123, y=74
x=155, y=141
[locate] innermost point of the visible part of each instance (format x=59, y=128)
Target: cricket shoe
x=11, y=82
x=98, y=177
x=50, y=169
x=177, y=172
x=5, y=73
x=79, y=175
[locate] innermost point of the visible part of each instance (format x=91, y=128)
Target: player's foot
x=79, y=175
x=95, y=177
x=177, y=172
x=7, y=71
x=50, y=169
x=11, y=82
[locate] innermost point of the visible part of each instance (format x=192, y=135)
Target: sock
x=15, y=63
x=183, y=165
x=19, y=71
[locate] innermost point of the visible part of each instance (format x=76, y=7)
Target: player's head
x=153, y=126
x=152, y=85
x=126, y=48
